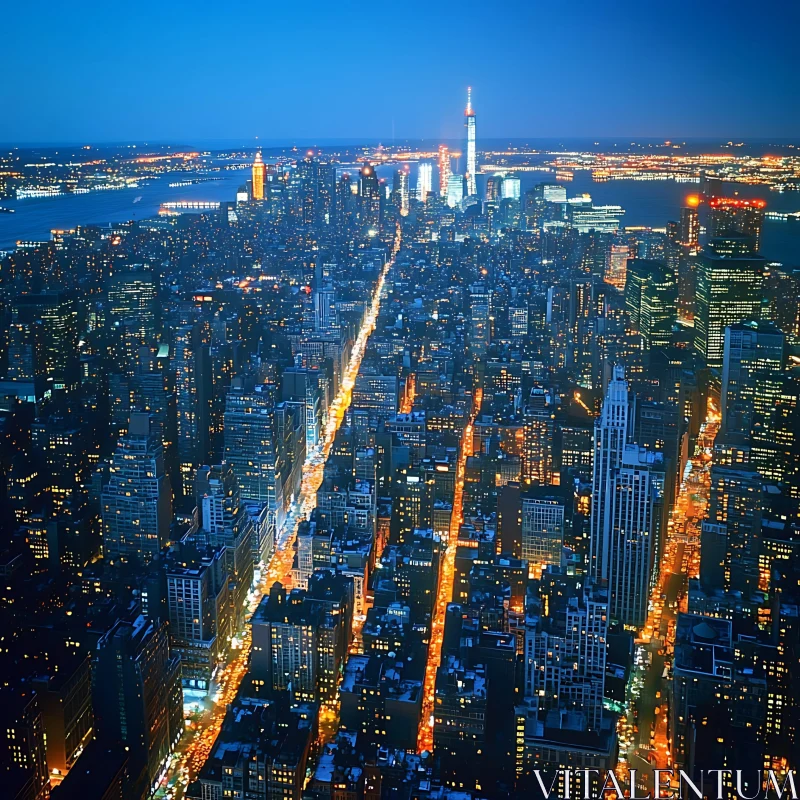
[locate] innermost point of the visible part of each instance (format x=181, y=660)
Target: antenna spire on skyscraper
x=469, y=122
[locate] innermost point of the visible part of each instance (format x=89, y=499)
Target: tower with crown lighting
x=259, y=174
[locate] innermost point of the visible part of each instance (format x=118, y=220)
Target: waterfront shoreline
x=33, y=219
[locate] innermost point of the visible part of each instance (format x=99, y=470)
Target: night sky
x=325, y=71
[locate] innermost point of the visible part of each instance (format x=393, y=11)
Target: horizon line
x=390, y=142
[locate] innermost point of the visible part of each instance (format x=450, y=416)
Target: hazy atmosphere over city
x=399, y=401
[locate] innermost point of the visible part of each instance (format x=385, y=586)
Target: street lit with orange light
x=280, y=566
x=644, y=734
x=446, y=580
x=581, y=403
x=411, y=392
x=198, y=740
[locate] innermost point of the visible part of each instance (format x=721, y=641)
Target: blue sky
x=179, y=71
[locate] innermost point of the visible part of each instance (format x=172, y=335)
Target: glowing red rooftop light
x=735, y=202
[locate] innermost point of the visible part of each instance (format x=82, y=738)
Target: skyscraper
x=537, y=443
x=519, y=320
x=610, y=438
x=132, y=307
x=138, y=696
x=617, y=270
x=325, y=316
x=302, y=386
x=542, y=530
x=689, y=240
x=191, y=363
x=224, y=523
x=199, y=612
x=586, y=217
x=651, y=297
x=55, y=314
x=424, y=181
x=459, y=725
x=511, y=188
x=469, y=123
x=259, y=175
x=262, y=751
x=775, y=438
x=633, y=532
x=300, y=637
x=369, y=190
x=562, y=718
x=402, y=191
x=26, y=375
x=690, y=222
x=23, y=743
x=250, y=446
x=376, y=394
x=444, y=169
x=731, y=536
x=137, y=500
x=734, y=215
x=730, y=277
x=455, y=190
x=752, y=360
x=493, y=185
x=132, y=295
x=480, y=303
x=565, y=647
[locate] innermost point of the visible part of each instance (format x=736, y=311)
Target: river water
x=35, y=217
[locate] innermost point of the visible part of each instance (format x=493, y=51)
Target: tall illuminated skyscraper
x=651, y=298
x=402, y=190
x=610, y=438
x=55, y=315
x=259, y=174
x=730, y=279
x=753, y=356
x=617, y=271
x=511, y=188
x=690, y=222
x=424, y=181
x=632, y=532
x=137, y=500
x=369, y=189
x=469, y=123
x=444, y=169
x=480, y=306
x=133, y=308
x=455, y=190
x=223, y=523
x=251, y=447
x=730, y=214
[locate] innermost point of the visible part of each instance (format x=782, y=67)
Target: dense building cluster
x=354, y=489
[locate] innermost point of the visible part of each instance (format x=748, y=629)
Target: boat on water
x=25, y=194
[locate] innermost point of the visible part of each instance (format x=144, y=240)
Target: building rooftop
x=97, y=768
